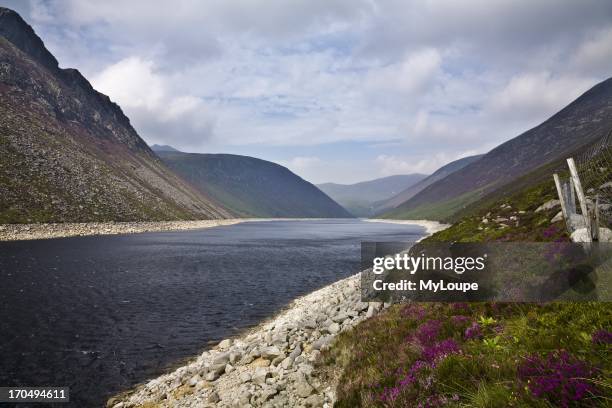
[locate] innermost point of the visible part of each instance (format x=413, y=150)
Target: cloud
x=300, y=164
x=390, y=165
x=594, y=56
x=535, y=96
x=422, y=81
x=153, y=105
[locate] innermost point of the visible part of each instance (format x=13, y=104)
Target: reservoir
x=100, y=314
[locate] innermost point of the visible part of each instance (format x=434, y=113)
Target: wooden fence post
x=572, y=197
x=581, y=198
x=562, y=196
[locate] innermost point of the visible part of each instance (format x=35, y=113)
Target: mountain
x=585, y=120
x=359, y=198
x=253, y=187
x=163, y=148
x=414, y=189
x=67, y=153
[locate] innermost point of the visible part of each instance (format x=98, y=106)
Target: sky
x=336, y=90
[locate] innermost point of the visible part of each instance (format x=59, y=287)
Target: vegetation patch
x=477, y=354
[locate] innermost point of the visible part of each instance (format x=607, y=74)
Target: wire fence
x=595, y=171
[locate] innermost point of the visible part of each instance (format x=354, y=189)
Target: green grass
x=373, y=358
x=435, y=211
x=376, y=355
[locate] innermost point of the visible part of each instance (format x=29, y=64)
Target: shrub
x=560, y=378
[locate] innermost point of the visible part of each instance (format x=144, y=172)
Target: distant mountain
x=67, y=153
x=408, y=193
x=360, y=198
x=163, y=148
x=253, y=187
x=580, y=123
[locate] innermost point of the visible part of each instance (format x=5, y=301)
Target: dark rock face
x=584, y=121
x=67, y=153
x=252, y=187
x=22, y=35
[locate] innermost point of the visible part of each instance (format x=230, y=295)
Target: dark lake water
x=100, y=314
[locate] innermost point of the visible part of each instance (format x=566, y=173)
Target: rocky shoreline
x=271, y=366
x=21, y=232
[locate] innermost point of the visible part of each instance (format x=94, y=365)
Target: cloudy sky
x=337, y=90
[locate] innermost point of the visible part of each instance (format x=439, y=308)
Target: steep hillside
x=584, y=120
x=252, y=187
x=413, y=190
x=497, y=344
x=67, y=153
x=360, y=198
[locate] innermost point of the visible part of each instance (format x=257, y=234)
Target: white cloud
x=594, y=56
x=420, y=77
x=410, y=76
x=300, y=164
x=535, y=96
x=389, y=165
x=155, y=107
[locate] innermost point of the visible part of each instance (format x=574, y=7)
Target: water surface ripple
x=100, y=314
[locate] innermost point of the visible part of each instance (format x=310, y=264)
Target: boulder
x=260, y=375
x=214, y=397
x=333, y=328
x=194, y=380
x=215, y=371
x=549, y=205
x=245, y=377
x=322, y=343
x=268, y=392
x=270, y=352
x=221, y=358
x=287, y=363
x=225, y=344
x=340, y=317
x=302, y=388
x=314, y=401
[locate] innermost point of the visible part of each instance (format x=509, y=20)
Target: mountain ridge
x=253, y=187
x=582, y=121
x=421, y=185
x=360, y=198
x=68, y=153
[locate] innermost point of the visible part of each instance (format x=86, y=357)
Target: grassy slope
x=436, y=211
x=377, y=355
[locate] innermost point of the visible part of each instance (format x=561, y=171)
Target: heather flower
x=602, y=337
x=473, y=332
x=440, y=350
x=460, y=320
x=390, y=394
x=460, y=307
x=550, y=231
x=560, y=378
x=412, y=376
x=414, y=311
x=428, y=332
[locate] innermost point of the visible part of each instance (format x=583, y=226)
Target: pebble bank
x=271, y=366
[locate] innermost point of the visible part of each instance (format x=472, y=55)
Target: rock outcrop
x=67, y=153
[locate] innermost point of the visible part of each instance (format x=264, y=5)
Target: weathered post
x=562, y=197
x=581, y=198
x=571, y=207
x=595, y=227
